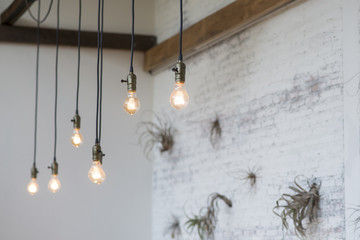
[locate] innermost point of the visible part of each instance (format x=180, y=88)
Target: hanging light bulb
x=76, y=137
x=33, y=187
x=96, y=173
x=132, y=103
x=179, y=98
x=54, y=183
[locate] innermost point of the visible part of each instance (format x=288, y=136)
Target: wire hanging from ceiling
x=132, y=103
x=38, y=18
x=54, y=183
x=179, y=97
x=96, y=173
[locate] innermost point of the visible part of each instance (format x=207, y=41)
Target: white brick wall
x=277, y=89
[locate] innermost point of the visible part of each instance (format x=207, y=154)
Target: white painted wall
x=278, y=90
x=117, y=209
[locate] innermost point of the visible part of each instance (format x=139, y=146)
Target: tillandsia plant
x=355, y=215
x=205, y=221
x=215, y=132
x=174, y=227
x=299, y=206
x=159, y=133
x=251, y=175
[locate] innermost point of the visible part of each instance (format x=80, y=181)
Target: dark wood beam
x=14, y=11
x=69, y=38
x=232, y=19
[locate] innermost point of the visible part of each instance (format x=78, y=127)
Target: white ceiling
x=117, y=16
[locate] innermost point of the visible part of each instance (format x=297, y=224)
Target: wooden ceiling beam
x=69, y=38
x=16, y=9
x=231, y=19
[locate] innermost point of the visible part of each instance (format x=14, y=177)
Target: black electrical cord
x=97, y=76
x=101, y=67
x=181, y=30
x=132, y=36
x=56, y=76
x=38, y=19
x=99, y=70
x=37, y=81
x=78, y=69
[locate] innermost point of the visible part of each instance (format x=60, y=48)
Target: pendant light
x=132, y=103
x=179, y=98
x=54, y=183
x=33, y=187
x=76, y=137
x=96, y=173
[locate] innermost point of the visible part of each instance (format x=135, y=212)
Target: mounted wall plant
x=303, y=204
x=205, y=221
x=251, y=175
x=159, y=133
x=355, y=215
x=174, y=227
x=215, y=132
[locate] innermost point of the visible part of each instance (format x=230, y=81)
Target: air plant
x=174, y=227
x=356, y=213
x=205, y=221
x=159, y=133
x=303, y=204
x=251, y=175
x=215, y=132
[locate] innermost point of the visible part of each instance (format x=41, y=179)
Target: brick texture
x=277, y=90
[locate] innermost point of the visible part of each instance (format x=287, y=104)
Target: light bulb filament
x=179, y=98
x=76, y=138
x=33, y=187
x=96, y=173
x=132, y=103
x=54, y=184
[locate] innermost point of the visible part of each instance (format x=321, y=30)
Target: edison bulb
x=76, y=138
x=54, y=184
x=96, y=173
x=33, y=187
x=179, y=98
x=132, y=103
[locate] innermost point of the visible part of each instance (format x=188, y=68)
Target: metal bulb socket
x=97, y=153
x=76, y=121
x=180, y=71
x=34, y=172
x=131, y=82
x=54, y=168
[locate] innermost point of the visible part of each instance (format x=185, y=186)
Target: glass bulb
x=132, y=103
x=96, y=173
x=76, y=138
x=54, y=184
x=179, y=98
x=33, y=187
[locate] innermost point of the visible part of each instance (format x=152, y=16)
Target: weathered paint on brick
x=277, y=89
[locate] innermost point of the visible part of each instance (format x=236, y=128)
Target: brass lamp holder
x=97, y=153
x=34, y=172
x=131, y=82
x=54, y=168
x=180, y=71
x=76, y=121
